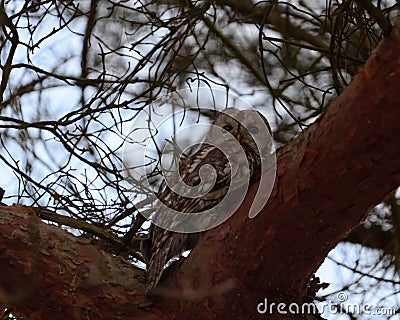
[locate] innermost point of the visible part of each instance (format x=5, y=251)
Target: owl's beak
x=238, y=136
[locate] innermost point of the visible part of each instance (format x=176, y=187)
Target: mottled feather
x=162, y=244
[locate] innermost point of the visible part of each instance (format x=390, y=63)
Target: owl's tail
x=159, y=258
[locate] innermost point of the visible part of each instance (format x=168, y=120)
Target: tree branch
x=13, y=37
x=374, y=238
x=328, y=179
x=377, y=15
x=52, y=274
x=274, y=18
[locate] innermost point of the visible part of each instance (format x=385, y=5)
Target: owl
x=251, y=133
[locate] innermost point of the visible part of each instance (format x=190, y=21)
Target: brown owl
x=249, y=129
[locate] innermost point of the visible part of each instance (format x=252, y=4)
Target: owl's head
x=226, y=121
x=250, y=128
x=255, y=132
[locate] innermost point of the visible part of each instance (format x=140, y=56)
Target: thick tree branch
x=256, y=14
x=374, y=238
x=50, y=274
x=327, y=181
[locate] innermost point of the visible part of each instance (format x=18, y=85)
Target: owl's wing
x=164, y=244
x=180, y=202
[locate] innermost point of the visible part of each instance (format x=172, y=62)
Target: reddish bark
x=47, y=273
x=328, y=179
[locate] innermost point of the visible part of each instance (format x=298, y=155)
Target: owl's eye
x=253, y=129
x=227, y=127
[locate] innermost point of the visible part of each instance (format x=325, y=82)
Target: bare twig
x=377, y=15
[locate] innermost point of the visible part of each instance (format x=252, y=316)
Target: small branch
x=86, y=227
x=2, y=191
x=76, y=224
x=140, y=219
x=236, y=51
x=377, y=15
x=14, y=39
